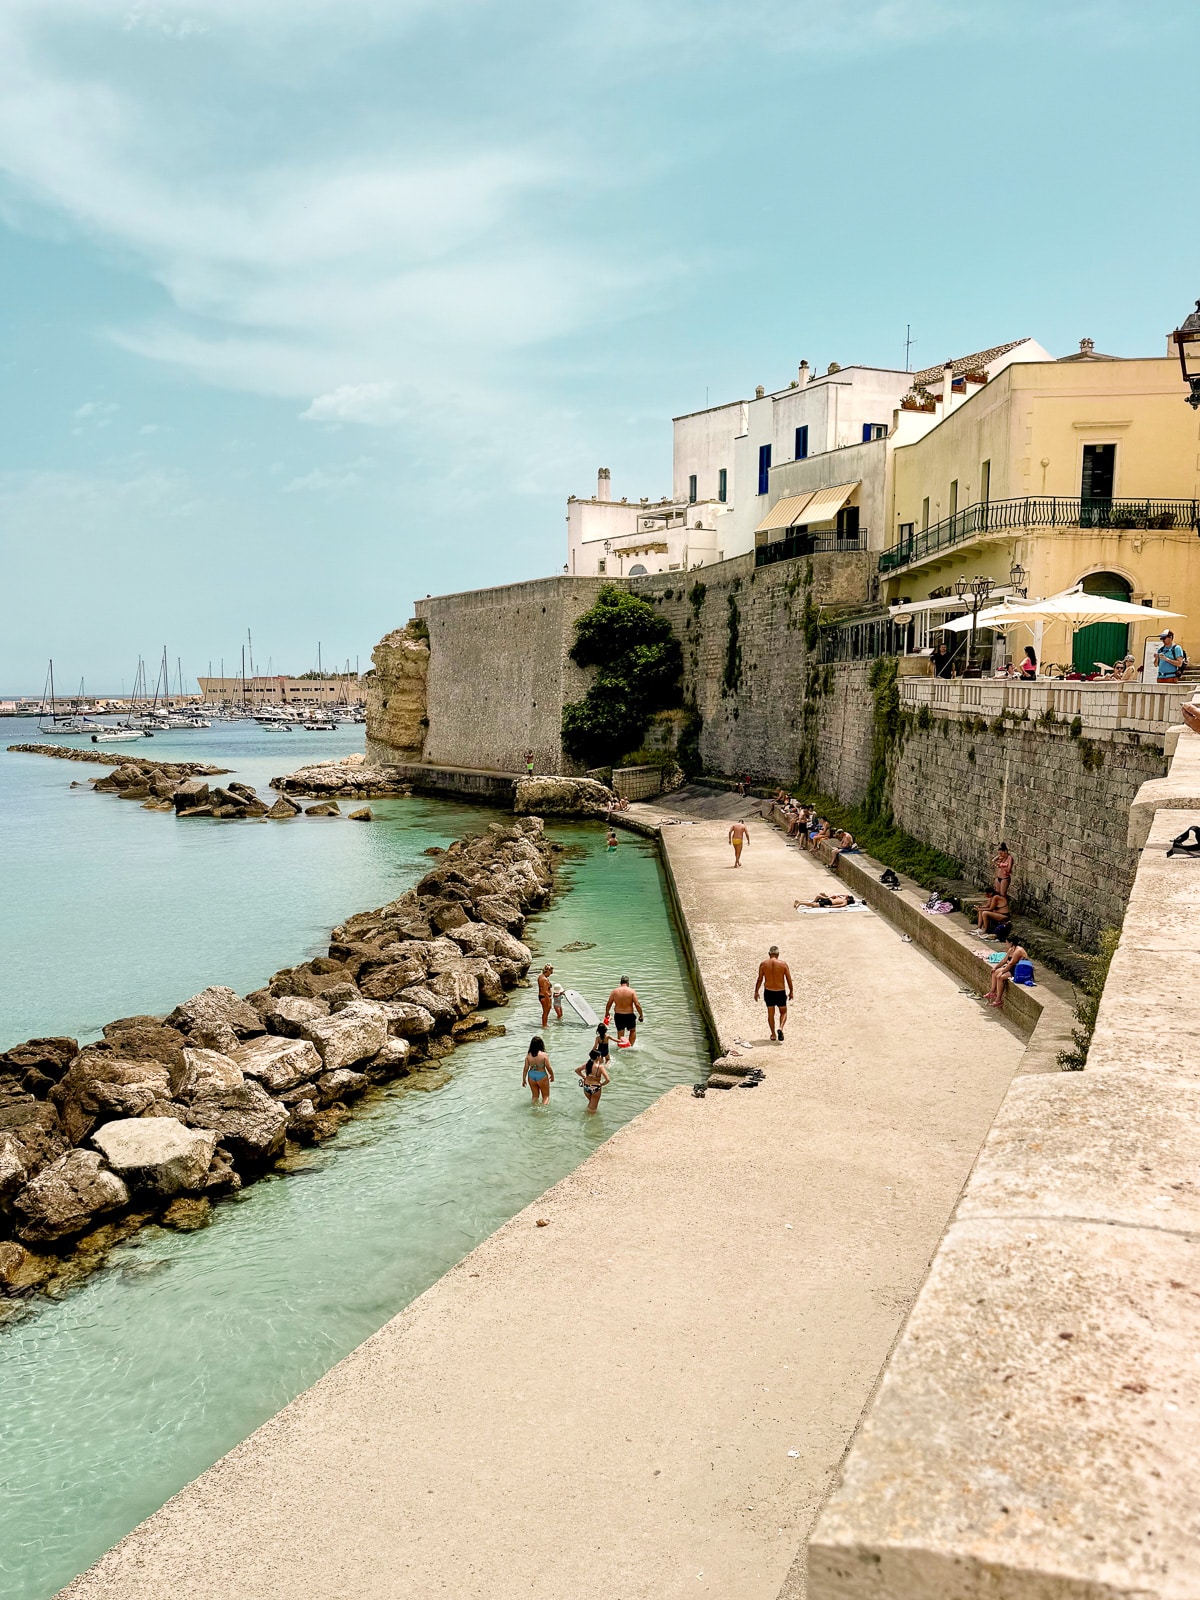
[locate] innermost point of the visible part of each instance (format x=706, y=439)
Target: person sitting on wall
x=993, y=912
x=1125, y=670
x=1002, y=974
x=821, y=832
x=845, y=844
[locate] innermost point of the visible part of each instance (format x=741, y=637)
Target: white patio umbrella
x=1082, y=610
x=1001, y=617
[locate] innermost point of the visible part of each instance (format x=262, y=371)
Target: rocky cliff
x=396, y=720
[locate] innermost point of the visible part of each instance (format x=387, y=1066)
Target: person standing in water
x=775, y=982
x=601, y=1044
x=546, y=992
x=538, y=1074
x=739, y=835
x=592, y=1078
x=621, y=1005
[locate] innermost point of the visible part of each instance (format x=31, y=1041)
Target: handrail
x=808, y=544
x=1099, y=705
x=1039, y=511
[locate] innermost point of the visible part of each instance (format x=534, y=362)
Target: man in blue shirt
x=1169, y=657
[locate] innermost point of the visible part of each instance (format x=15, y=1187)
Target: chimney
x=759, y=392
x=947, y=387
x=802, y=375
x=1086, y=346
x=603, y=484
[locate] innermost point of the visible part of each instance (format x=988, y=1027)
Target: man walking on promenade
x=739, y=834
x=775, y=982
x=621, y=1005
x=1169, y=657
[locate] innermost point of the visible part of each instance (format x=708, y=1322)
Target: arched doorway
x=637, y=570
x=1102, y=641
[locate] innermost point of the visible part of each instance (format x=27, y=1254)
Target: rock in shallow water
x=278, y=1064
x=355, y=1033
x=214, y=1006
x=157, y=1153
x=246, y=1120
x=99, y=1087
x=205, y=1072
x=67, y=1196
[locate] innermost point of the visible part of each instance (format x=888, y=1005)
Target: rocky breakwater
x=165, y=1115
x=182, y=787
x=177, y=769
x=562, y=797
x=348, y=777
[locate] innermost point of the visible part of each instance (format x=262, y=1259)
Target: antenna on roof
x=909, y=341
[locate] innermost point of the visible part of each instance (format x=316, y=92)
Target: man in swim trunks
x=546, y=992
x=775, y=982
x=739, y=834
x=621, y=1005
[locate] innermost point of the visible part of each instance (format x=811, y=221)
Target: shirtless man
x=739, y=834
x=775, y=982
x=621, y=1005
x=546, y=992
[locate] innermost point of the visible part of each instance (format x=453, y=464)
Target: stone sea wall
x=164, y=1115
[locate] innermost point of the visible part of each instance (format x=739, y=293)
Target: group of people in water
x=622, y=1010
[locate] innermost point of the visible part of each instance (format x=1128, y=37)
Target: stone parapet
x=1147, y=708
x=1036, y=1432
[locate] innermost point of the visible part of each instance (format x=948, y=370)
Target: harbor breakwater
x=164, y=1115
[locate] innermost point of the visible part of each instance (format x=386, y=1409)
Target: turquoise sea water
x=114, y=1397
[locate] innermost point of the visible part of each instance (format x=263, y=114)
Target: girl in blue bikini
x=538, y=1074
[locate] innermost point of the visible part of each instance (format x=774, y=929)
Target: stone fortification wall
x=745, y=657
x=499, y=674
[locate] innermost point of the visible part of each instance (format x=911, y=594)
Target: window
x=802, y=442
x=874, y=430
x=954, y=498
x=722, y=484
x=985, y=482
x=764, y=467
x=601, y=566
x=924, y=513
x=692, y=490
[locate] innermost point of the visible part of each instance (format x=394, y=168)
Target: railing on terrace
x=808, y=544
x=1038, y=511
x=862, y=639
x=1100, y=706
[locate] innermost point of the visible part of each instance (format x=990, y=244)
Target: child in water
x=611, y=841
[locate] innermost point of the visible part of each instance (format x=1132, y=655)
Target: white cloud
x=322, y=480
x=98, y=411
x=373, y=403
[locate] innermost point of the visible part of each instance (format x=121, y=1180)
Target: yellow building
x=335, y=690
x=1084, y=470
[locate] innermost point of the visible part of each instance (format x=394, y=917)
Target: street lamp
x=1016, y=578
x=1187, y=342
x=979, y=588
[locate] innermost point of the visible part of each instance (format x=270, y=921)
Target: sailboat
x=67, y=721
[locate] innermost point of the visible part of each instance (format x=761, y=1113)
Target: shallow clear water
x=113, y=1398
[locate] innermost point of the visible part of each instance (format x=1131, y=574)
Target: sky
x=312, y=308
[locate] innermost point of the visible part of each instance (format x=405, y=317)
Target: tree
x=639, y=663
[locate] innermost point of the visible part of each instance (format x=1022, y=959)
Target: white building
x=815, y=455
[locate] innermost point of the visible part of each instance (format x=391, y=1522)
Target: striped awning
x=826, y=503
x=785, y=513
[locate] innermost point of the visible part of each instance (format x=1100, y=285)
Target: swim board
x=580, y=1007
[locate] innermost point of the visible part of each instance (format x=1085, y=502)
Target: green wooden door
x=1102, y=641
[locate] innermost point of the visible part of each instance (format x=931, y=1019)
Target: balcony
x=1038, y=511
x=804, y=543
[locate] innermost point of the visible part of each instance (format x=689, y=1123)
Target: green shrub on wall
x=1088, y=1004
x=732, y=677
x=639, y=663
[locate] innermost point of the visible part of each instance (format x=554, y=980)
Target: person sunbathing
x=993, y=912
x=826, y=902
x=1002, y=974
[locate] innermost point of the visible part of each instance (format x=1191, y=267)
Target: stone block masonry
x=500, y=674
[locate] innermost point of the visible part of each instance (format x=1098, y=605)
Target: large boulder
x=205, y=1072
x=35, y=1129
x=482, y=938
x=282, y=810
x=286, y=1014
x=278, y=1064
x=502, y=911
x=190, y=795
x=144, y=1039
x=491, y=986
x=217, y=1036
x=407, y=1021
x=157, y=1153
x=67, y=1197
x=340, y=1085
x=214, y=1006
x=386, y=982
x=50, y=1058
x=436, y=1005
x=246, y=1120
x=355, y=1033
x=459, y=984
x=13, y=1168
x=99, y=1086
x=391, y=1061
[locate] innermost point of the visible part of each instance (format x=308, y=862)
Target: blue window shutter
x=764, y=468
x=868, y=432
x=802, y=442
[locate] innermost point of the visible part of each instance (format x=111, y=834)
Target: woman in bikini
x=538, y=1074
x=1002, y=870
x=601, y=1045
x=592, y=1078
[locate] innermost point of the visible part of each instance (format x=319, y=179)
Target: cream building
x=281, y=691
x=1083, y=470
x=623, y=539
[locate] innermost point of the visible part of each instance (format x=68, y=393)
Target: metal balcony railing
x=1038, y=511
x=808, y=544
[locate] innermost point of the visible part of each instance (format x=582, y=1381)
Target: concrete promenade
x=649, y=1396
